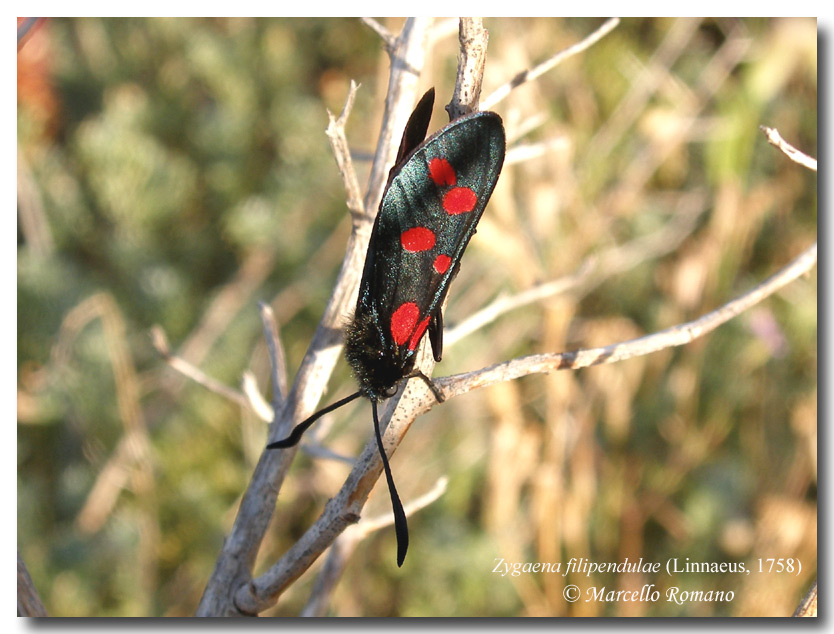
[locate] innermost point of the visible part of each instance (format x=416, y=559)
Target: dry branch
x=339, y=143
x=232, y=572
x=189, y=370
x=231, y=590
x=774, y=138
x=278, y=359
x=262, y=409
x=28, y=600
x=342, y=549
x=671, y=337
x=534, y=73
x=808, y=606
x=473, y=39
x=593, y=271
x=344, y=508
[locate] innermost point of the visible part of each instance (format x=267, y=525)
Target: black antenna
x=400, y=522
x=299, y=429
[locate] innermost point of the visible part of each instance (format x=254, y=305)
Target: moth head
x=376, y=361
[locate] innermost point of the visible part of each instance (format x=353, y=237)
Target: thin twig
x=231, y=578
x=28, y=600
x=262, y=409
x=407, y=60
x=443, y=28
x=500, y=93
x=277, y=357
x=387, y=37
x=668, y=338
x=342, y=549
x=319, y=451
x=248, y=397
x=808, y=606
x=341, y=151
x=473, y=38
x=774, y=138
x=160, y=343
x=529, y=151
x=505, y=304
x=593, y=271
x=372, y=524
x=529, y=123
x=642, y=87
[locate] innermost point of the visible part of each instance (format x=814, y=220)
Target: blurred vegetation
x=173, y=172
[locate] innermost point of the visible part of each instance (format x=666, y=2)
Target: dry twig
x=534, y=73
x=342, y=549
x=671, y=337
x=473, y=38
x=160, y=344
x=232, y=572
x=28, y=600
x=774, y=138
x=277, y=357
x=130, y=464
x=593, y=271
x=642, y=88
x=808, y=606
x=231, y=589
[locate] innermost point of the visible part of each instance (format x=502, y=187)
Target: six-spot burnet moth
x=436, y=193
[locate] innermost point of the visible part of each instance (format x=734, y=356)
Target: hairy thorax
x=376, y=361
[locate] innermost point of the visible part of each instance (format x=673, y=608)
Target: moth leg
x=436, y=335
x=417, y=374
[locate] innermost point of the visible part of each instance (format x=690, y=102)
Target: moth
x=436, y=192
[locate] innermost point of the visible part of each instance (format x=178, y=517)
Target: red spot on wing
x=403, y=321
x=459, y=200
x=441, y=263
x=418, y=333
x=417, y=239
x=442, y=173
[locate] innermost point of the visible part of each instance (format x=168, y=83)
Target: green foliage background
x=173, y=172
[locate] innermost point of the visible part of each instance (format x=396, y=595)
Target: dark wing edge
x=415, y=130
